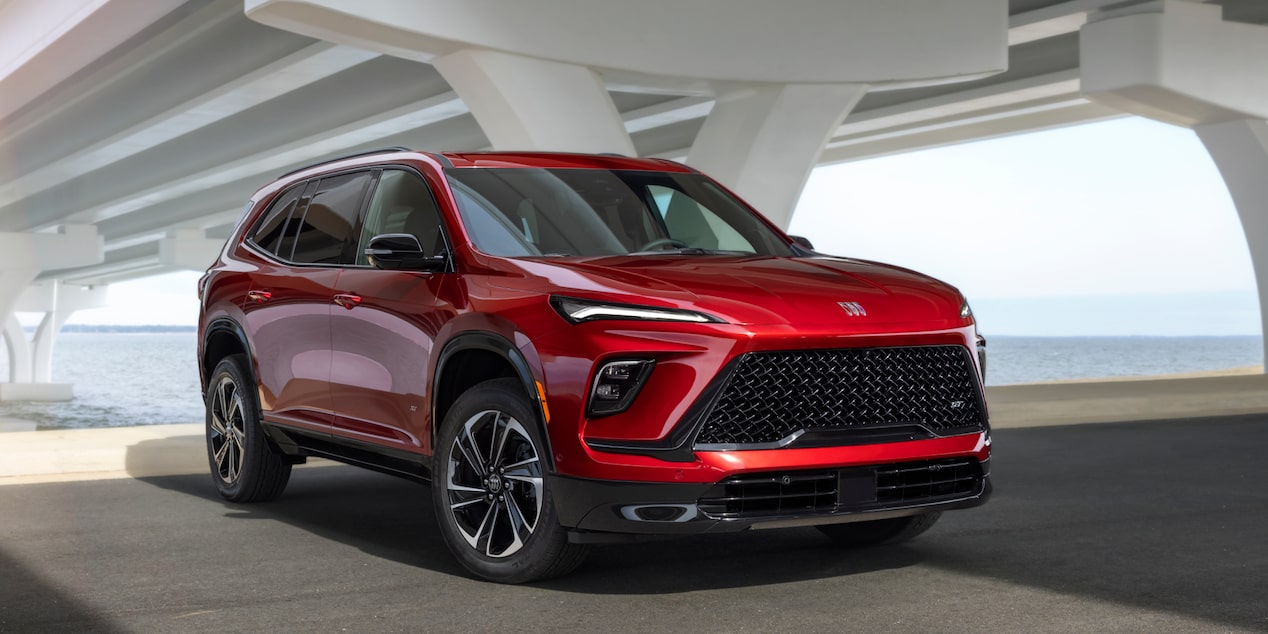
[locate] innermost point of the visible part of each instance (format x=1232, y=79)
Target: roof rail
x=394, y=148
x=440, y=158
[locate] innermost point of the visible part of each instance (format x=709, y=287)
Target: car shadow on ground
x=1163, y=516
x=392, y=518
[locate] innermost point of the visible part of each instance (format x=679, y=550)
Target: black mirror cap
x=803, y=241
x=401, y=252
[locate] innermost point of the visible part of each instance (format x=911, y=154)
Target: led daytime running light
x=582, y=310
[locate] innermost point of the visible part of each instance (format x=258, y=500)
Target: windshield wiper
x=689, y=251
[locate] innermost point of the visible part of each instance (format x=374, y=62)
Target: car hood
x=761, y=290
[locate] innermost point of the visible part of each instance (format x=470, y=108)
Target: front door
x=384, y=324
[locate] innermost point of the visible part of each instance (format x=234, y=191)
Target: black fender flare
x=501, y=346
x=233, y=329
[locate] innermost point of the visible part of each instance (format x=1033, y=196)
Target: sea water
x=147, y=379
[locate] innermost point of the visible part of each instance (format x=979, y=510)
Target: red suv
x=574, y=349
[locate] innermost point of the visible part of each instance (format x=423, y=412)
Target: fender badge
x=853, y=309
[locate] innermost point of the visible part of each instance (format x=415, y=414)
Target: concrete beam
x=1175, y=61
x=328, y=142
x=795, y=41
x=292, y=72
x=44, y=43
x=189, y=249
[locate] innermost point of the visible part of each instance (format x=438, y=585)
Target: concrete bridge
x=131, y=133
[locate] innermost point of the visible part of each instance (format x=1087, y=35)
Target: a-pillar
x=762, y=141
x=1181, y=63
x=525, y=103
x=26, y=256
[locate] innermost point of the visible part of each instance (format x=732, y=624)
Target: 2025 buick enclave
x=572, y=349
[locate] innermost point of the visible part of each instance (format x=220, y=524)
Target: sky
x=1120, y=227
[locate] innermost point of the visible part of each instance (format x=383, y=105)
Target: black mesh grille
x=771, y=395
x=920, y=481
x=767, y=494
x=851, y=489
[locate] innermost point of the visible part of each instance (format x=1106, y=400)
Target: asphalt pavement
x=1158, y=526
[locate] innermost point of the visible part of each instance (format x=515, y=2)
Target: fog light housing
x=616, y=384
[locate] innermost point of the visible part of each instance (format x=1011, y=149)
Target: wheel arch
x=223, y=337
x=477, y=356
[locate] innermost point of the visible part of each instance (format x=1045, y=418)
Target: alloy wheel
x=494, y=484
x=228, y=430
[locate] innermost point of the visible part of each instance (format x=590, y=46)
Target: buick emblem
x=853, y=309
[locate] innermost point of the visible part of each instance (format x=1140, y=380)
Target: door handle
x=347, y=300
x=259, y=297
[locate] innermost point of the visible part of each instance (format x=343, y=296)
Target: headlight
x=965, y=311
x=579, y=310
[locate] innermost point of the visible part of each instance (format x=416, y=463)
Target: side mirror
x=803, y=241
x=401, y=252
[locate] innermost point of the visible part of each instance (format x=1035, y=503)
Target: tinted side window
x=268, y=231
x=402, y=203
x=326, y=235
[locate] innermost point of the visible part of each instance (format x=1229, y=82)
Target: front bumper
x=601, y=510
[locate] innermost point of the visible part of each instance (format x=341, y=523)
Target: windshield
x=592, y=212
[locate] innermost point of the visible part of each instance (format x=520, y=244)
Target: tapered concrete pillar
x=58, y=302
x=26, y=255
x=1240, y=151
x=1179, y=62
x=19, y=353
x=763, y=141
x=525, y=103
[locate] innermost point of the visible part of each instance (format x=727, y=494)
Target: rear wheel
x=887, y=531
x=489, y=489
x=243, y=466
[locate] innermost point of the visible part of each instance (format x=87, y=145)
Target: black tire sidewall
x=548, y=539
x=255, y=450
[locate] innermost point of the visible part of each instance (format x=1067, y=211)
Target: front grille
x=772, y=395
x=852, y=489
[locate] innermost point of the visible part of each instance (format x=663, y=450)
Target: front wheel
x=887, y=531
x=243, y=466
x=489, y=489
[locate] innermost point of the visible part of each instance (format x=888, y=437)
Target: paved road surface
x=1112, y=527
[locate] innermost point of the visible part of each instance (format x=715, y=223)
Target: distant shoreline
x=128, y=329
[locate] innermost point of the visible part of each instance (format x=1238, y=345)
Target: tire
x=875, y=532
x=492, y=500
x=244, y=467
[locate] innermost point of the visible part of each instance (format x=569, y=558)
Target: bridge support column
x=763, y=141
x=525, y=103
x=1179, y=62
x=1240, y=151
x=26, y=256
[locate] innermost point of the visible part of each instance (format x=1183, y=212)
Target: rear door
x=288, y=307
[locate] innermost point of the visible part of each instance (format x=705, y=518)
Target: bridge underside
x=132, y=133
